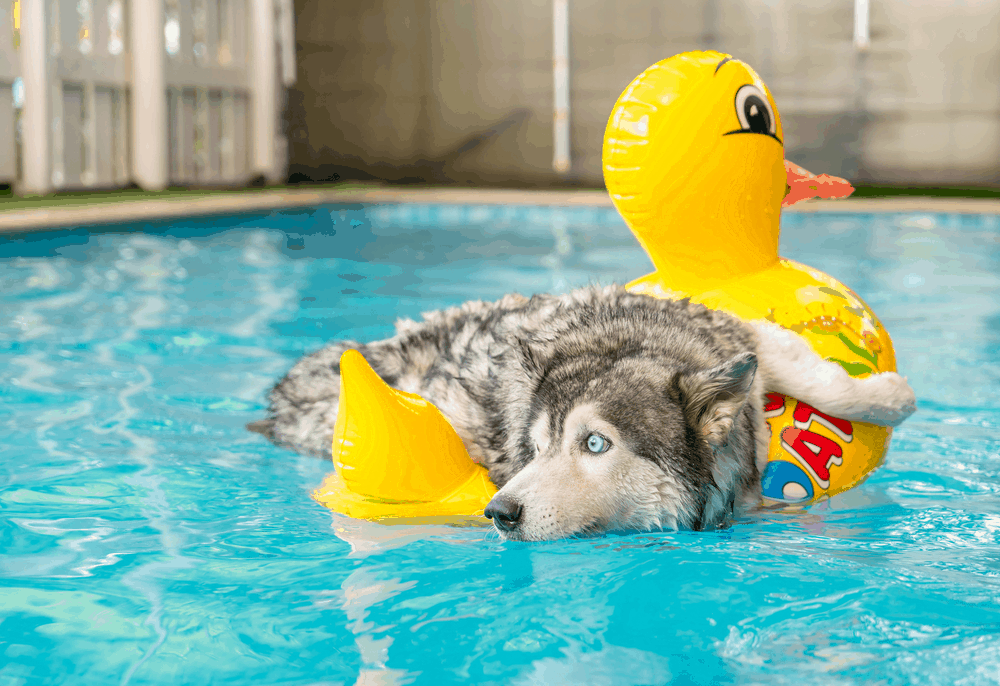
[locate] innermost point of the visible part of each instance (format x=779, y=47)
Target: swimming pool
x=147, y=538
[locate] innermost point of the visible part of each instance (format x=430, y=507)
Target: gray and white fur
x=598, y=410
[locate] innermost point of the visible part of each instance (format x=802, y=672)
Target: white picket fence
x=9, y=73
x=98, y=93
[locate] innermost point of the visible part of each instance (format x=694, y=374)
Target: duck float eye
x=598, y=444
x=754, y=111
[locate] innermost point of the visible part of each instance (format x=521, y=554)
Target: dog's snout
x=504, y=511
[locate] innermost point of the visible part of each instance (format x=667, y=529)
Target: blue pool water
x=147, y=538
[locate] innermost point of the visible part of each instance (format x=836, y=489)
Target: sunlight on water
x=147, y=538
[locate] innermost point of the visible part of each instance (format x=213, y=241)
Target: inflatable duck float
x=694, y=162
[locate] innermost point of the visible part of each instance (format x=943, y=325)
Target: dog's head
x=626, y=442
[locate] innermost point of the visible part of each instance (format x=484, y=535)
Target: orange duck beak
x=803, y=185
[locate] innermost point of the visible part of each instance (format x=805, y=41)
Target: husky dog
x=597, y=410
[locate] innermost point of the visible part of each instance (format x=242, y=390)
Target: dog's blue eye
x=597, y=444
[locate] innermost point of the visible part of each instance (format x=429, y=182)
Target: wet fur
x=522, y=380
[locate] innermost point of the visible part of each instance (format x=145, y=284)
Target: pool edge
x=128, y=211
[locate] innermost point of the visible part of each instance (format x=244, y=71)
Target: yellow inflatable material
x=694, y=161
x=396, y=455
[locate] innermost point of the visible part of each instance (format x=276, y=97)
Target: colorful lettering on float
x=774, y=405
x=814, y=454
x=804, y=415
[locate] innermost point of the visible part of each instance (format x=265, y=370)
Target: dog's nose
x=504, y=511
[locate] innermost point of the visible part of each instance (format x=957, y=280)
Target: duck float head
x=694, y=162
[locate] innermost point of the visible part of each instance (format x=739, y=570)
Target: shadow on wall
x=444, y=168
x=438, y=92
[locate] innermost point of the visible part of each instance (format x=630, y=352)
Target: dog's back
x=452, y=353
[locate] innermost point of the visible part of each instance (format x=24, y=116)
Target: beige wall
x=461, y=91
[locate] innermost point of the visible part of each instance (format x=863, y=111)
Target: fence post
x=287, y=33
x=561, y=84
x=149, y=95
x=262, y=72
x=861, y=24
x=36, y=124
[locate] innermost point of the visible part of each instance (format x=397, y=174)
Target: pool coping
x=129, y=211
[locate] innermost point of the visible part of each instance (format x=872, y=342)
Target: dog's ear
x=713, y=398
x=531, y=357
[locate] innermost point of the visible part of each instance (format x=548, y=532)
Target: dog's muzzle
x=505, y=512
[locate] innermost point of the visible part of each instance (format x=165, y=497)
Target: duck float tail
x=396, y=455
